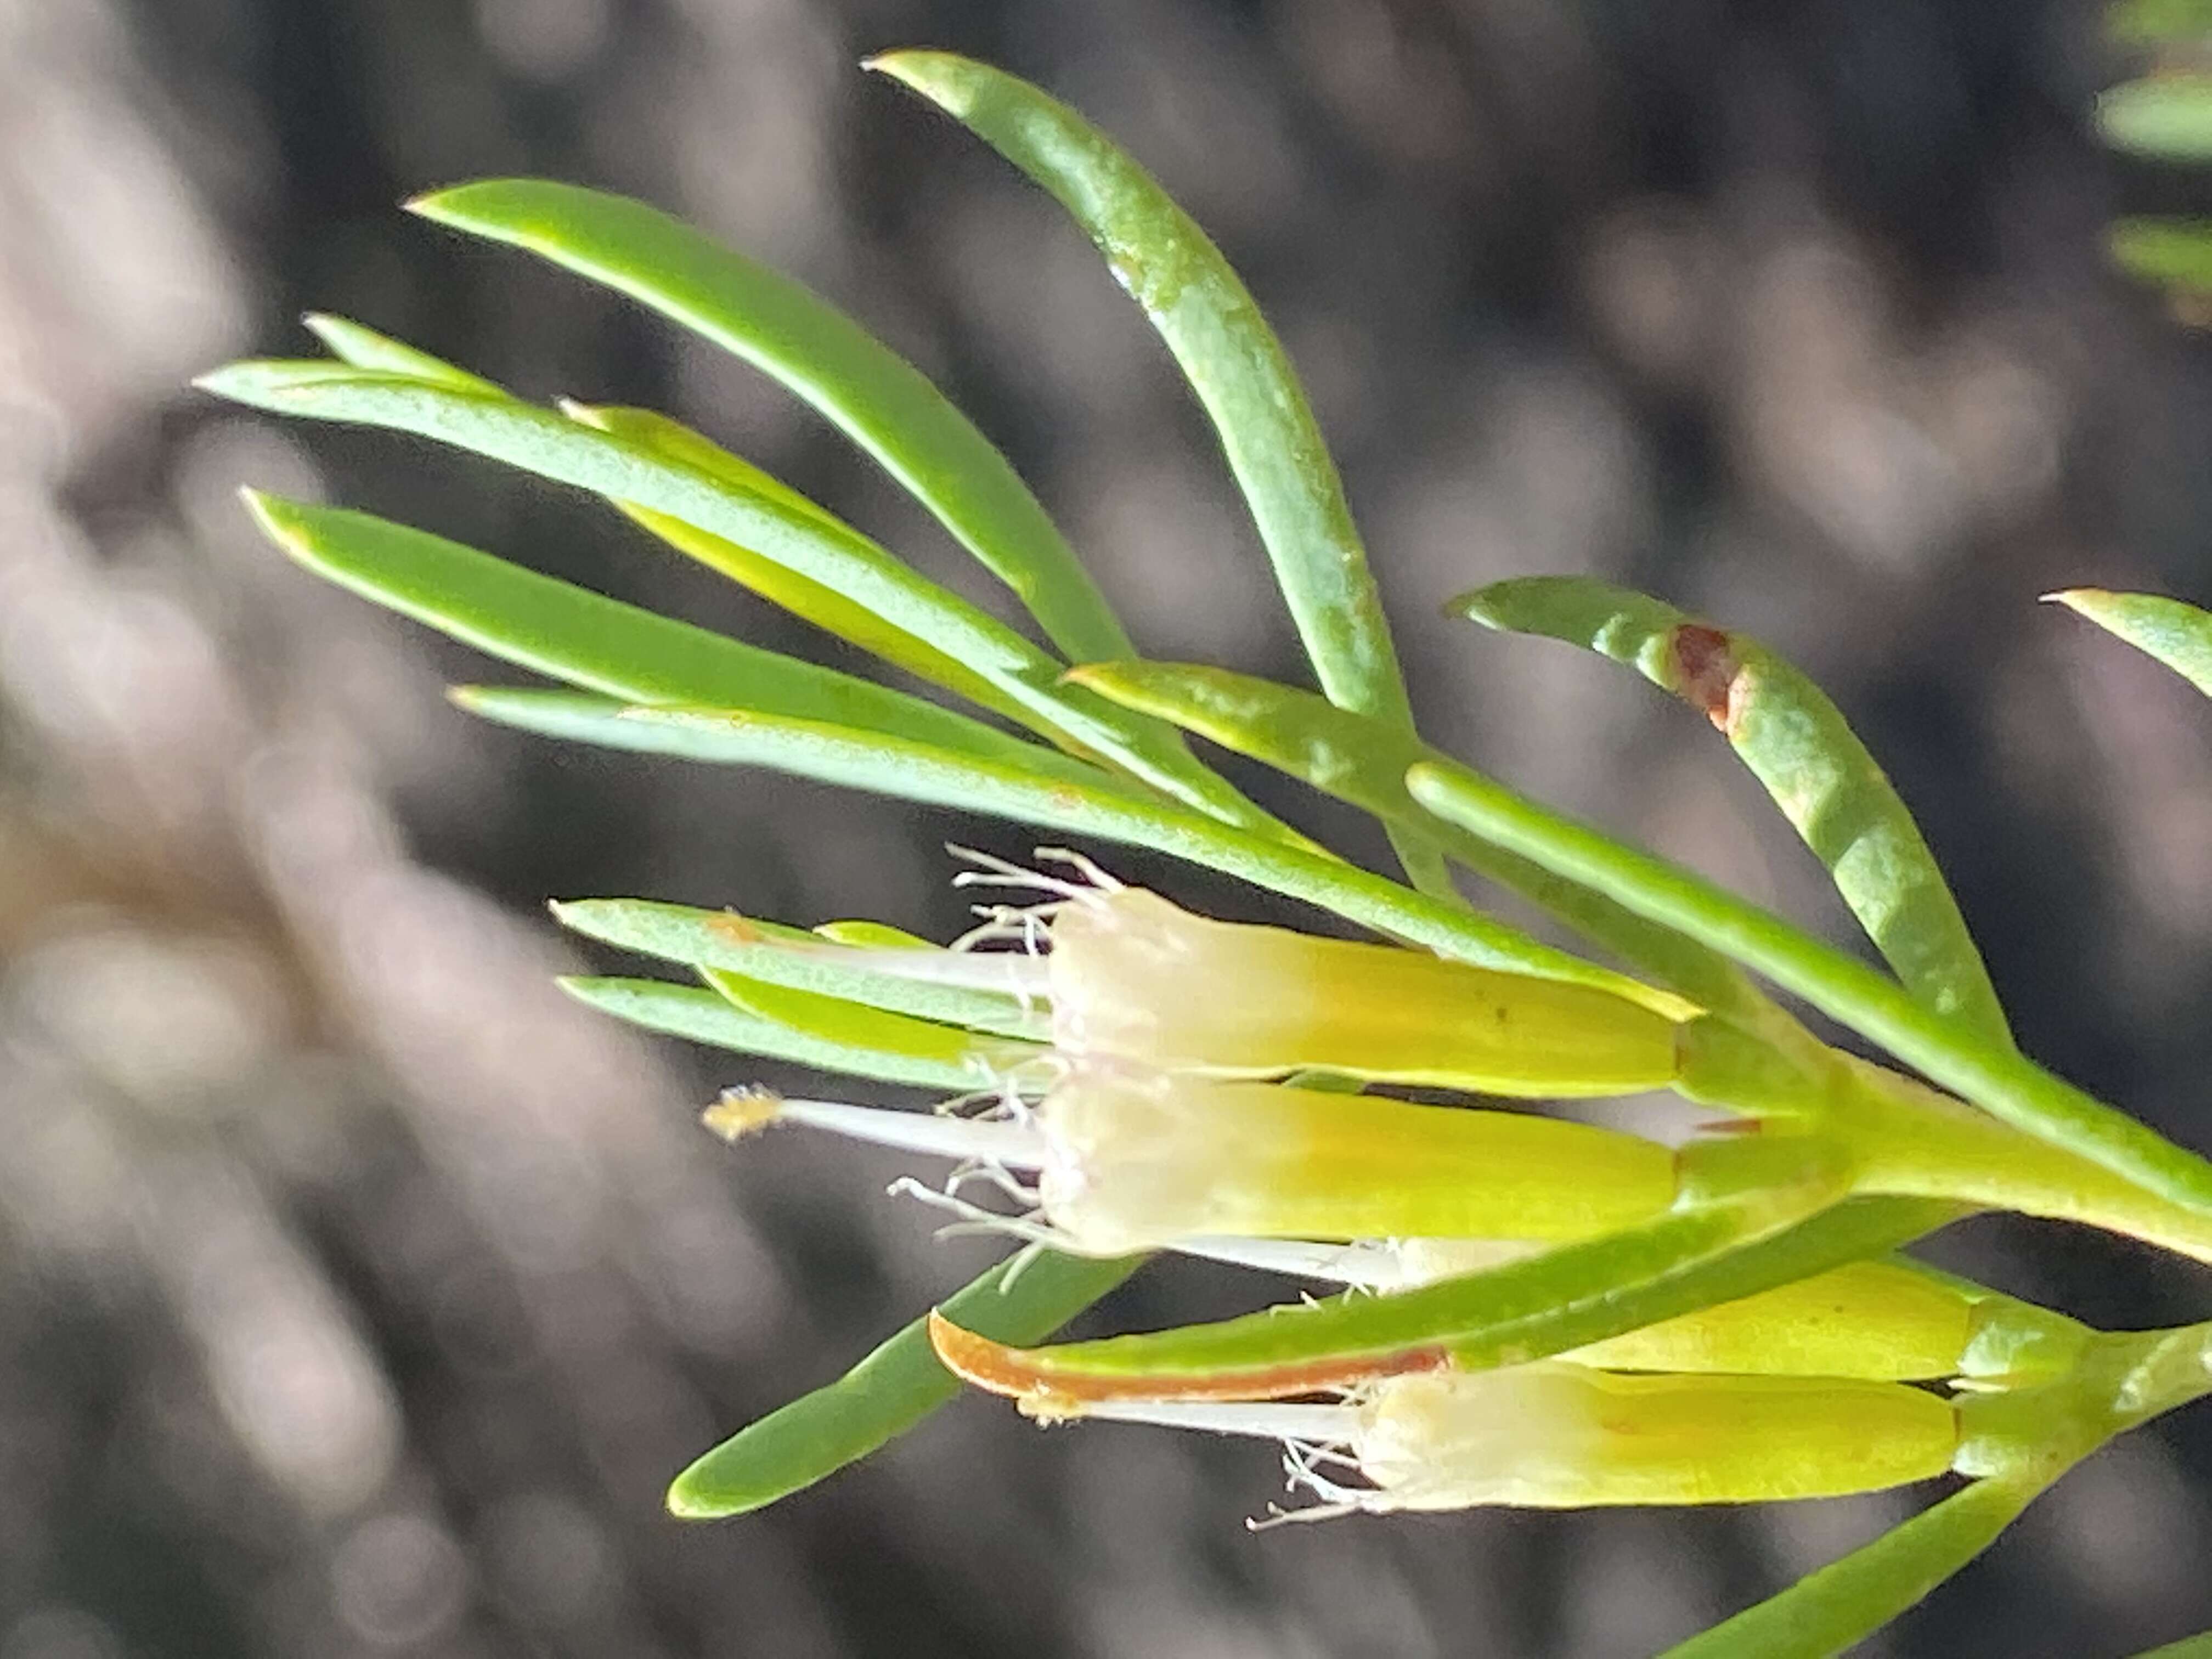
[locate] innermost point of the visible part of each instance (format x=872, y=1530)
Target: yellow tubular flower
x=1558, y=1436
x=1138, y=1159
x=1132, y=976
x=1132, y=1160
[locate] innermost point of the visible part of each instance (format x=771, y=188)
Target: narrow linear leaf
x=875, y=396
x=2175, y=252
x=600, y=644
x=1520, y=1311
x=1364, y=762
x=703, y=1016
x=1848, y=1599
x=855, y=1028
x=1023, y=1299
x=2166, y=117
x=553, y=446
x=364, y=348
x=1233, y=361
x=2189, y=1647
x=2000, y=1080
x=2152, y=22
x=919, y=772
x=2180, y=635
x=1796, y=743
x=825, y=607
x=764, y=951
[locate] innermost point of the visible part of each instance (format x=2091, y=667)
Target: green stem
x=2006, y=1083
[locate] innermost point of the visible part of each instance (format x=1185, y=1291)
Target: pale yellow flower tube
x=1134, y=977
x=1138, y=1159
x=1553, y=1435
x=1129, y=1160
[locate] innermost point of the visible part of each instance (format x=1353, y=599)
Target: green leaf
x=603, y=645
x=2189, y=1647
x=874, y=1034
x=2153, y=22
x=1023, y=1299
x=541, y=441
x=1848, y=1599
x=1233, y=359
x=1364, y=762
x=364, y=348
x=919, y=772
x=2175, y=252
x=772, y=955
x=2000, y=1080
x=1524, y=1309
x=703, y=1016
x=2180, y=635
x=1798, y=746
x=825, y=607
x=2167, y=117
x=875, y=396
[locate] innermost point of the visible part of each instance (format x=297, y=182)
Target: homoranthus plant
x=1527, y=1310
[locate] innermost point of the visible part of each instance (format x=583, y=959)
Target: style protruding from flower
x=1128, y=1160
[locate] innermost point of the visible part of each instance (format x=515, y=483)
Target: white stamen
x=1091, y=872
x=993, y=870
x=1011, y=1144
x=974, y=1218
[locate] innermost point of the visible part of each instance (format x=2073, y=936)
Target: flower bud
x=1132, y=976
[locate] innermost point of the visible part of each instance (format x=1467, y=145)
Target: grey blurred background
x=358, y=1294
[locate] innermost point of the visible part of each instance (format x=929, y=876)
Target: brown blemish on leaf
x=733, y=926
x=1031, y=1374
x=1706, y=674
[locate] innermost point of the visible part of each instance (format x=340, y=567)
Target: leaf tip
x=701, y=1492
x=937, y=75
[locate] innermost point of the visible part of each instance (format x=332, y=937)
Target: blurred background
x=358, y=1294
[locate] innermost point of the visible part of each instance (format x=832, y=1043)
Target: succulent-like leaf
x=2153, y=22
x=2167, y=117
x=700, y=1015
x=1827, y=1611
x=856, y=1028
x=2180, y=635
x=2000, y=1080
x=2189, y=1647
x=1522, y=1311
x=1023, y=1299
x=1364, y=762
x=919, y=772
x=774, y=954
x=2175, y=252
x=816, y=547
x=603, y=645
x=825, y=607
x=1797, y=744
x=364, y=348
x=875, y=396
x=1233, y=361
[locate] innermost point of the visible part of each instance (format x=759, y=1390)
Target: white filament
x=1013, y=1145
